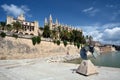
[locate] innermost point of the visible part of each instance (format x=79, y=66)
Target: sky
x=98, y=18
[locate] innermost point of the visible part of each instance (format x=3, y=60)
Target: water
x=108, y=59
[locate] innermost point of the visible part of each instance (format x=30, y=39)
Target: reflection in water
x=108, y=59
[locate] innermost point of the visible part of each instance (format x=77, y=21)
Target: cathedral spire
x=46, y=22
x=50, y=17
x=50, y=22
x=56, y=22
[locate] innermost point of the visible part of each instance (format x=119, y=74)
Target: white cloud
x=107, y=33
x=93, y=31
x=91, y=11
x=111, y=34
x=14, y=9
x=88, y=9
x=111, y=25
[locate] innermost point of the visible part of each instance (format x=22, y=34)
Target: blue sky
x=99, y=18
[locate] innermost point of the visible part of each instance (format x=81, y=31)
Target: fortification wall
x=12, y=48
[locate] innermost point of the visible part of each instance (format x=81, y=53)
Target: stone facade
x=55, y=25
x=29, y=28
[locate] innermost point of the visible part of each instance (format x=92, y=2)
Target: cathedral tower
x=56, y=23
x=21, y=17
x=46, y=22
x=50, y=22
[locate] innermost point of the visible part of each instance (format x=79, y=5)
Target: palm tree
x=46, y=32
x=54, y=34
x=17, y=26
x=9, y=27
x=59, y=29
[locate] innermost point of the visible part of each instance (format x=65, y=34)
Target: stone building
x=29, y=28
x=107, y=48
x=55, y=25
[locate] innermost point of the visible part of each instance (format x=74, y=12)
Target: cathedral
x=55, y=25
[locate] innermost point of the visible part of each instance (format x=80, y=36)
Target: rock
x=86, y=68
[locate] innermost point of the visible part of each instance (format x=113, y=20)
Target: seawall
x=20, y=48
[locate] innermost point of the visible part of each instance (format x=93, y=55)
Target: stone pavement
x=37, y=69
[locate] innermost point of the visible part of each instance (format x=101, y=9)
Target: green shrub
x=15, y=36
x=65, y=43
x=54, y=41
x=58, y=42
x=78, y=45
x=38, y=39
x=34, y=40
x=3, y=35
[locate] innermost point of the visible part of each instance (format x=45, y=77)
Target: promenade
x=39, y=69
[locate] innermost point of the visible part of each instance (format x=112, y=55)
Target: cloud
x=111, y=25
x=107, y=33
x=88, y=9
x=111, y=34
x=93, y=31
x=91, y=11
x=14, y=9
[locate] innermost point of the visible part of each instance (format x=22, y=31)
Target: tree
x=59, y=29
x=83, y=40
x=34, y=40
x=38, y=39
x=58, y=42
x=41, y=28
x=17, y=26
x=77, y=36
x=54, y=34
x=3, y=35
x=54, y=41
x=65, y=43
x=9, y=27
x=46, y=32
x=65, y=35
x=72, y=37
x=78, y=45
x=2, y=25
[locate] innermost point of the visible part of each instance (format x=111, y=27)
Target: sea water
x=111, y=59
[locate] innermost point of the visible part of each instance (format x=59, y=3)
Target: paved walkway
x=38, y=69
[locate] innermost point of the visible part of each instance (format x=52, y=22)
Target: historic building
x=29, y=28
x=55, y=25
